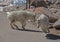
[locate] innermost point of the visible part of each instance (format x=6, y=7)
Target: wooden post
x=29, y=4
x=26, y=4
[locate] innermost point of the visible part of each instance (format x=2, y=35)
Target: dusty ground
x=32, y=34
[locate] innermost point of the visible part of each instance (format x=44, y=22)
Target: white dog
x=43, y=22
x=21, y=16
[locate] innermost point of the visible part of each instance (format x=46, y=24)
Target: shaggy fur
x=43, y=22
x=20, y=16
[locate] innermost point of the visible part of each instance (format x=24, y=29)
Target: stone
x=57, y=24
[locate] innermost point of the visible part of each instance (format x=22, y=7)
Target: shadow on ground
x=52, y=37
x=28, y=30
